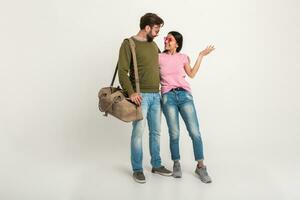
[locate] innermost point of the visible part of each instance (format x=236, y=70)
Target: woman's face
x=170, y=43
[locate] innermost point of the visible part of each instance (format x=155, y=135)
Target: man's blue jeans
x=173, y=103
x=151, y=108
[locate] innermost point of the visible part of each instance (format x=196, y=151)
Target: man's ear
x=147, y=28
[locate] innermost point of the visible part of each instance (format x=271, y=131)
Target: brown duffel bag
x=114, y=101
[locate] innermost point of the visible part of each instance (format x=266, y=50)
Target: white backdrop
x=56, y=54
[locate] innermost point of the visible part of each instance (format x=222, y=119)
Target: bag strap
x=136, y=74
x=114, y=77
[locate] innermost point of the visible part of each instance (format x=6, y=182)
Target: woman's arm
x=191, y=72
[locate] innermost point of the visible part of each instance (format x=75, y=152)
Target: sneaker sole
x=176, y=176
x=203, y=181
x=155, y=172
x=139, y=181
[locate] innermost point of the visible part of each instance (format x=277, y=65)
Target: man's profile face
x=152, y=32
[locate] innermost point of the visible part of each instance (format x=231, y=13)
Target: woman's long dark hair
x=179, y=39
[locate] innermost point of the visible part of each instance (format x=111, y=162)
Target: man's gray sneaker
x=162, y=171
x=203, y=175
x=177, y=170
x=139, y=177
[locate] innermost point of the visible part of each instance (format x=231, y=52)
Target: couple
x=168, y=69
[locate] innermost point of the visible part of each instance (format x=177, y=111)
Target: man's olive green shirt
x=147, y=63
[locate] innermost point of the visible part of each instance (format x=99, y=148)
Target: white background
x=56, y=54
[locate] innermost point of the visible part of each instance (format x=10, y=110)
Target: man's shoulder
x=158, y=49
x=125, y=41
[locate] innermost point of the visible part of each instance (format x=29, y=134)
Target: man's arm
x=124, y=67
x=123, y=71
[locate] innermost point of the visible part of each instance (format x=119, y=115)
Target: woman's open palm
x=207, y=50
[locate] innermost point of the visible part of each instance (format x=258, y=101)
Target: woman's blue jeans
x=181, y=102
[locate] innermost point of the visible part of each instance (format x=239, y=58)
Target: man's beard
x=149, y=37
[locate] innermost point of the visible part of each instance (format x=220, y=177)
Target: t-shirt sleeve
x=159, y=58
x=186, y=59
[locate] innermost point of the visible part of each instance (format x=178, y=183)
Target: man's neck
x=141, y=35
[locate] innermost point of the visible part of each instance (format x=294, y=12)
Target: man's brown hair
x=150, y=19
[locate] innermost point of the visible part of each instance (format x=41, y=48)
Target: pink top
x=172, y=73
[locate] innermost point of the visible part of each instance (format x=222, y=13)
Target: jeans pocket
x=164, y=99
x=188, y=95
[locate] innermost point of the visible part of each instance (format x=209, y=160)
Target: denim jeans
x=173, y=103
x=151, y=108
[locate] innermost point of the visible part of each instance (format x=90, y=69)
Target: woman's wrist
x=200, y=55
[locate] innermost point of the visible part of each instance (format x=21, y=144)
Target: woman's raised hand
x=206, y=51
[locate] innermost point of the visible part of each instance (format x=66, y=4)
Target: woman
x=177, y=99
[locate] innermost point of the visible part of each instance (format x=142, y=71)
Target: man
x=149, y=98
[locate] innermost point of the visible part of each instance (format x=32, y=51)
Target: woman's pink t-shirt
x=172, y=73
